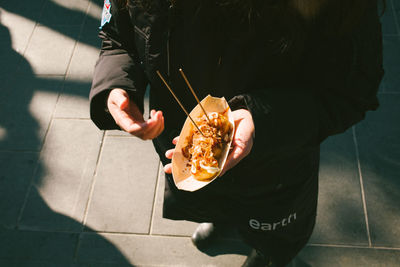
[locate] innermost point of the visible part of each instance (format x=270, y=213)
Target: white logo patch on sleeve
x=106, y=15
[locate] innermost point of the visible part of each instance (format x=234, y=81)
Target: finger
x=168, y=168
x=169, y=153
x=144, y=130
x=125, y=121
x=119, y=98
x=160, y=128
x=125, y=114
x=154, y=126
x=175, y=140
x=234, y=157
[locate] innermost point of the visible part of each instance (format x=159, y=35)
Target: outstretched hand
x=242, y=142
x=129, y=118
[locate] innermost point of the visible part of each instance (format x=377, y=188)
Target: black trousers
x=278, y=223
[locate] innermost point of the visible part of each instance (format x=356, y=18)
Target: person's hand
x=242, y=142
x=169, y=154
x=129, y=118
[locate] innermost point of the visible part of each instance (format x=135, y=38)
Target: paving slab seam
x=73, y=49
x=105, y=233
x=23, y=51
x=72, y=118
x=50, y=75
x=121, y=136
x=102, y=262
x=37, y=164
x=19, y=150
x=361, y=186
x=173, y=265
x=147, y=235
x=33, y=30
x=389, y=93
x=42, y=263
x=33, y=230
x=78, y=38
x=90, y=196
x=93, y=181
x=186, y=236
x=160, y=169
x=77, y=247
x=390, y=35
x=395, y=17
x=352, y=246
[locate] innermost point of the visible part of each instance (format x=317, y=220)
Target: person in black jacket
x=294, y=72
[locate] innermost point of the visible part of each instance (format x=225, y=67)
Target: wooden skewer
x=194, y=94
x=179, y=102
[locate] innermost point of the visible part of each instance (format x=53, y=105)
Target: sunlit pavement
x=72, y=195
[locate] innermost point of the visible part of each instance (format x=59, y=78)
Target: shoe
x=204, y=235
x=257, y=259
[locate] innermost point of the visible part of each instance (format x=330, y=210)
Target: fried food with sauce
x=203, y=152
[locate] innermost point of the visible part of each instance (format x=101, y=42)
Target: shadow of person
x=23, y=125
x=57, y=17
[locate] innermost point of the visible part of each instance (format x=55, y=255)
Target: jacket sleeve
x=342, y=93
x=116, y=68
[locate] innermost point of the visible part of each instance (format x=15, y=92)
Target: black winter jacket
x=300, y=89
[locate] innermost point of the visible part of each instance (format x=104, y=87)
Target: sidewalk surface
x=72, y=195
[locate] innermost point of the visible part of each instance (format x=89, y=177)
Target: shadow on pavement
x=21, y=139
x=54, y=16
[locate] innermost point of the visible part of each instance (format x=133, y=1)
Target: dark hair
x=334, y=17
x=247, y=9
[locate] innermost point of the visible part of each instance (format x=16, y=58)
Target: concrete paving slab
x=80, y=72
x=161, y=226
x=144, y=250
x=58, y=12
x=396, y=8
x=87, y=51
x=25, y=8
x=379, y=146
x=34, y=246
x=73, y=101
x=44, y=99
x=90, y=29
x=348, y=257
x=340, y=216
x=19, y=30
x=118, y=133
x=50, y=51
x=29, y=263
x=391, y=60
x=62, y=184
x=95, y=6
x=27, y=104
x=17, y=170
x=123, y=195
x=388, y=19
x=102, y=264
x=83, y=62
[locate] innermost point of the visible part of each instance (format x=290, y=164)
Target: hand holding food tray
x=204, y=141
x=196, y=163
